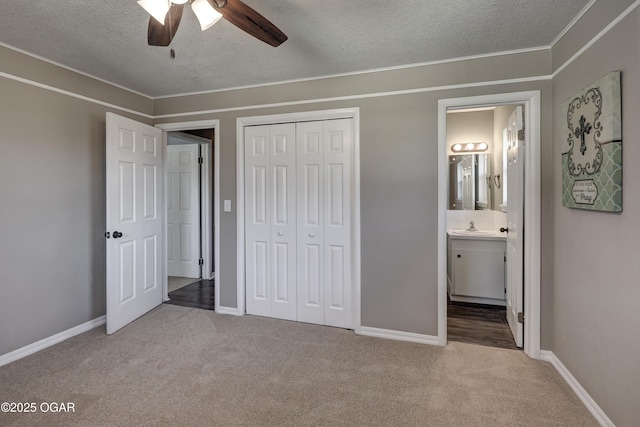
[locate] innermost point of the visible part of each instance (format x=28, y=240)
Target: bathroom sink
x=472, y=233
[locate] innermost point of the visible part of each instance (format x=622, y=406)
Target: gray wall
x=399, y=178
x=52, y=203
x=398, y=153
x=596, y=278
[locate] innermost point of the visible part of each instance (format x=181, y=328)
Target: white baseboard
x=5, y=359
x=227, y=310
x=397, y=335
x=591, y=405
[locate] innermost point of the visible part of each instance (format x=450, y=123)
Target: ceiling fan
x=166, y=16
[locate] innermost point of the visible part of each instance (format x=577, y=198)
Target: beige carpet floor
x=181, y=366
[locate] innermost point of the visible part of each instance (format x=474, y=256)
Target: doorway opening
x=192, y=214
x=189, y=237
x=478, y=297
x=477, y=261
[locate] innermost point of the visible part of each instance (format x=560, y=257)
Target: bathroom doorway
x=477, y=226
x=473, y=208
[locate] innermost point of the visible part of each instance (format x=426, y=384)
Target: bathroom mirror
x=470, y=182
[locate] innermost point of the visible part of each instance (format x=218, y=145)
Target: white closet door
x=183, y=211
x=257, y=220
x=283, y=221
x=270, y=221
x=338, y=147
x=310, y=169
x=298, y=221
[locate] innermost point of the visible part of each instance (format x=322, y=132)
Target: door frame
x=531, y=102
x=344, y=113
x=207, y=227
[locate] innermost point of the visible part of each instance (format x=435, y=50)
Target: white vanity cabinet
x=476, y=270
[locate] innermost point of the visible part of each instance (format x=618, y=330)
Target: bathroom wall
x=483, y=220
x=476, y=126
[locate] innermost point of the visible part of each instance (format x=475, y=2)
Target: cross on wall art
x=592, y=147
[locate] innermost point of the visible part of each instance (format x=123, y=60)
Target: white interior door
x=135, y=246
x=270, y=221
x=515, y=186
x=183, y=211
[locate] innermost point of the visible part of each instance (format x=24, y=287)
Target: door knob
x=117, y=234
x=312, y=235
x=504, y=230
x=280, y=233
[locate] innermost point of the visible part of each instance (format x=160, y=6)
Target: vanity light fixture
x=470, y=146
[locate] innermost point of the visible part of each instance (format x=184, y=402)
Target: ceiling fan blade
x=161, y=35
x=247, y=19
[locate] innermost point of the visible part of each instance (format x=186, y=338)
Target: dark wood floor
x=479, y=324
x=195, y=295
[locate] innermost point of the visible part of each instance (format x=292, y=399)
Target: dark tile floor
x=195, y=295
x=479, y=324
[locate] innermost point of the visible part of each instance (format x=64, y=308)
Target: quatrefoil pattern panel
x=592, y=147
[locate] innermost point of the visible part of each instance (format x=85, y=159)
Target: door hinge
x=200, y=261
x=201, y=160
x=520, y=317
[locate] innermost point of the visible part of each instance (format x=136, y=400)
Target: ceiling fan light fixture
x=179, y=1
x=156, y=8
x=206, y=14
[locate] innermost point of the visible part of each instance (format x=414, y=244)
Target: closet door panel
x=310, y=170
x=257, y=221
x=283, y=220
x=338, y=135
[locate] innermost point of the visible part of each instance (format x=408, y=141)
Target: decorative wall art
x=592, y=147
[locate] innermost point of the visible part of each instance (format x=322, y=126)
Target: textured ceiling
x=107, y=38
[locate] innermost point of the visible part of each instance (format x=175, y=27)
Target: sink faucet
x=472, y=226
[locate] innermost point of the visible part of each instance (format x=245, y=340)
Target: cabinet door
x=478, y=269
